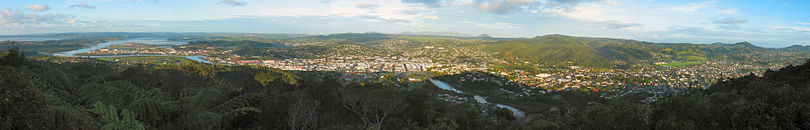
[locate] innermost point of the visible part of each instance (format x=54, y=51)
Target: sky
x=768, y=23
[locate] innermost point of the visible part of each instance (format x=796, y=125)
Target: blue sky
x=769, y=23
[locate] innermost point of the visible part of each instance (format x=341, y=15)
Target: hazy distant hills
x=546, y=50
x=448, y=34
x=796, y=48
x=560, y=49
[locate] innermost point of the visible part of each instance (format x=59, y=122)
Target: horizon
x=764, y=23
x=415, y=34
x=404, y=64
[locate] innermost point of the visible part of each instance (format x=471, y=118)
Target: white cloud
x=692, y=7
x=40, y=8
x=796, y=29
x=591, y=11
x=620, y=25
x=503, y=6
x=368, y=6
x=653, y=17
x=82, y=5
x=371, y=10
x=232, y=2
x=730, y=21
x=498, y=25
x=17, y=19
x=374, y=18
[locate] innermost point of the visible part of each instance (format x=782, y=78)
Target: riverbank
x=478, y=98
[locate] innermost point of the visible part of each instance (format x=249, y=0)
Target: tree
x=373, y=107
x=444, y=123
x=303, y=115
x=618, y=115
x=13, y=58
x=542, y=124
x=22, y=104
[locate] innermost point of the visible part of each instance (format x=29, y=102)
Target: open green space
x=149, y=59
x=679, y=64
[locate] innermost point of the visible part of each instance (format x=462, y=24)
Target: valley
x=532, y=67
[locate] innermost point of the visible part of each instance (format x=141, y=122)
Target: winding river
x=480, y=99
x=150, y=41
x=18, y=38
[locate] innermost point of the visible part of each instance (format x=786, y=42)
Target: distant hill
x=449, y=34
x=546, y=50
x=343, y=37
x=556, y=49
x=796, y=48
x=602, y=52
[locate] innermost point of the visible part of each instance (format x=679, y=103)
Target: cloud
x=82, y=5
x=374, y=11
x=325, y=1
x=375, y=18
x=367, y=6
x=40, y=8
x=232, y=2
x=499, y=25
x=18, y=19
x=510, y=6
x=692, y=7
x=620, y=25
x=431, y=3
x=796, y=29
x=503, y=6
x=730, y=21
x=568, y=3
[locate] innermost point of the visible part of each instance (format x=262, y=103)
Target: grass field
x=149, y=59
x=679, y=64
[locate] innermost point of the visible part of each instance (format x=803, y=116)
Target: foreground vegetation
x=41, y=95
x=95, y=95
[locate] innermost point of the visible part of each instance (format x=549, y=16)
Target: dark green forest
x=97, y=95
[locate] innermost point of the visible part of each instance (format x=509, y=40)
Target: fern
x=241, y=111
x=148, y=110
x=69, y=117
x=90, y=92
x=207, y=95
x=110, y=118
x=204, y=120
x=241, y=101
x=117, y=93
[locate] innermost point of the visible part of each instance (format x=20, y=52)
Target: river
x=23, y=38
x=197, y=58
x=478, y=98
x=150, y=41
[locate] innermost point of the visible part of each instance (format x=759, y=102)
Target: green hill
x=604, y=52
x=560, y=49
x=796, y=48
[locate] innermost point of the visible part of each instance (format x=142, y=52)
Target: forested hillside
x=778, y=100
x=97, y=95
x=560, y=49
x=606, y=52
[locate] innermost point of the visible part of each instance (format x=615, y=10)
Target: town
x=355, y=68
